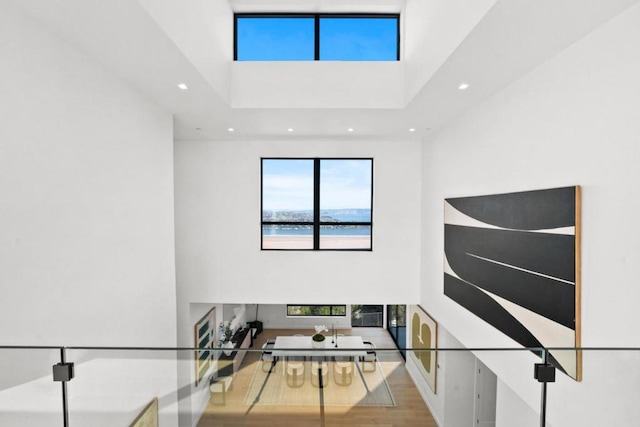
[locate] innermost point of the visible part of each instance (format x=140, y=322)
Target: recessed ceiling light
x=350, y=130
x=183, y=86
x=412, y=129
x=290, y=130
x=230, y=129
x=463, y=86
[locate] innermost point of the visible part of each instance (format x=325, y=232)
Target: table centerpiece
x=317, y=340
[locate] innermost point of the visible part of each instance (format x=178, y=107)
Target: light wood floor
x=409, y=411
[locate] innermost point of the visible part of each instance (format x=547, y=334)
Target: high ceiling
x=156, y=44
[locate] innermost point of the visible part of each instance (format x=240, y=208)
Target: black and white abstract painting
x=514, y=261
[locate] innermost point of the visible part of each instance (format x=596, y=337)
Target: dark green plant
x=318, y=337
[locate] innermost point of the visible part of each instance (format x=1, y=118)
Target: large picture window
x=317, y=204
x=319, y=37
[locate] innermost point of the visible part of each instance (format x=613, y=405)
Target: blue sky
x=275, y=39
x=341, y=39
x=358, y=39
x=288, y=184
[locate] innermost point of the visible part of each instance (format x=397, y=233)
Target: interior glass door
x=397, y=325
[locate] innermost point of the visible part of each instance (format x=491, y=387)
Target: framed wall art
x=423, y=334
x=205, y=338
x=514, y=261
x=149, y=415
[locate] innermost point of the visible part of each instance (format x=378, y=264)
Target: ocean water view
x=347, y=215
x=284, y=230
x=326, y=215
x=337, y=232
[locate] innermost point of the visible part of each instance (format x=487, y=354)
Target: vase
x=317, y=344
x=228, y=345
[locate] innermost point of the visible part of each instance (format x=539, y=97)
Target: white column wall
x=571, y=121
x=86, y=228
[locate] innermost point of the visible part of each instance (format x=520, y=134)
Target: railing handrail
x=257, y=349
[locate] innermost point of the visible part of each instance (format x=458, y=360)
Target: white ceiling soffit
x=203, y=30
x=513, y=38
x=432, y=32
x=318, y=6
x=120, y=35
x=155, y=53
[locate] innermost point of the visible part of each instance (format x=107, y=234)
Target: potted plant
x=318, y=338
x=225, y=339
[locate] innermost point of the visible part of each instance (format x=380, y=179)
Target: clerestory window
x=319, y=37
x=317, y=310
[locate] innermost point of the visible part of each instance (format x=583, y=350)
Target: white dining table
x=340, y=346
x=351, y=346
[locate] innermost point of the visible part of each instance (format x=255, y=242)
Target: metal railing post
x=544, y=373
x=63, y=372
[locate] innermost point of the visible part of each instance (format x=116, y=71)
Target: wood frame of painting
x=205, y=337
x=423, y=333
x=149, y=415
x=514, y=261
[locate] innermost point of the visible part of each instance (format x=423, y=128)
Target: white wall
x=513, y=411
x=217, y=187
x=218, y=228
x=319, y=84
x=432, y=30
x=274, y=316
x=203, y=31
x=573, y=120
x=86, y=229
x=452, y=404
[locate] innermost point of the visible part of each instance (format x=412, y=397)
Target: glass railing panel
x=249, y=387
x=371, y=385
x=344, y=386
x=499, y=385
x=608, y=393
x=28, y=394
x=115, y=387
x=315, y=389
x=340, y=385
x=470, y=388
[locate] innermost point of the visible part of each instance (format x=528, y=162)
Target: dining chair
x=219, y=386
x=342, y=371
x=370, y=359
x=295, y=372
x=319, y=367
x=266, y=357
